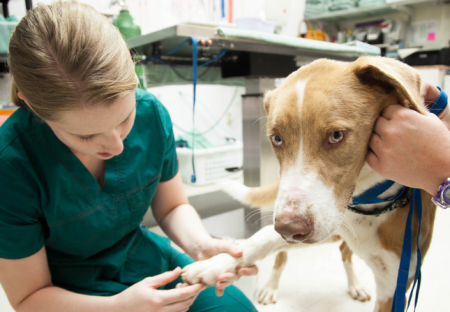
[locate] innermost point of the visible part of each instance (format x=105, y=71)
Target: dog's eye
x=336, y=137
x=276, y=140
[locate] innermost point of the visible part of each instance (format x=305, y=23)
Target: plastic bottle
x=124, y=22
x=126, y=26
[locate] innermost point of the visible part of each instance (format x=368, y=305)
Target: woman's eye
x=87, y=138
x=336, y=137
x=276, y=140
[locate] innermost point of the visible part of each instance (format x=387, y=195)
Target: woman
x=80, y=163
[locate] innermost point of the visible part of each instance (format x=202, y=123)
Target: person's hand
x=145, y=297
x=410, y=148
x=212, y=247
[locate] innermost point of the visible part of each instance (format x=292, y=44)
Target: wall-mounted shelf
x=376, y=10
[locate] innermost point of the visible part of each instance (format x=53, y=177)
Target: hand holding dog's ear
x=411, y=148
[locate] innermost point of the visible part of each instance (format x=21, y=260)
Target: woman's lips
x=105, y=154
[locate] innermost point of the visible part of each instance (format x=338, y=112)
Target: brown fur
x=346, y=252
x=280, y=260
x=264, y=195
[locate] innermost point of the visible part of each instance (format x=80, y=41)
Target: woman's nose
x=114, y=143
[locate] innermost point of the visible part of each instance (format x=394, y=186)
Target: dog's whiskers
x=261, y=219
x=349, y=226
x=265, y=212
x=259, y=120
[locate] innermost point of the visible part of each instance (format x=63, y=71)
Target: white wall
x=209, y=108
x=151, y=15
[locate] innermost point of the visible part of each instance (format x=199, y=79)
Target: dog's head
x=319, y=122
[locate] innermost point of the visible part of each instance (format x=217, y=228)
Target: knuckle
x=156, y=302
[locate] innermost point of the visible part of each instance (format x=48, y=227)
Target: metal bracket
x=405, y=9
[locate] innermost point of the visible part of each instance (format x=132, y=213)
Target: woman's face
x=97, y=131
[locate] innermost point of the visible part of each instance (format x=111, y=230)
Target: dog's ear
x=267, y=101
x=391, y=76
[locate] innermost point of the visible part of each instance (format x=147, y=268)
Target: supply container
x=254, y=23
x=6, y=29
x=211, y=164
x=5, y=112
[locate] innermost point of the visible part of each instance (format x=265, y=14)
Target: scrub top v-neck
x=92, y=236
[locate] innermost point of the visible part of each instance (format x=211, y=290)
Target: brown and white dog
x=320, y=121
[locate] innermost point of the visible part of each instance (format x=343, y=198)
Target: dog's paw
x=358, y=292
x=267, y=295
x=235, y=189
x=208, y=271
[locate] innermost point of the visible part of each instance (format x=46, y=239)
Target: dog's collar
x=401, y=199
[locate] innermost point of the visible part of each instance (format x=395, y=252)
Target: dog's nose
x=295, y=228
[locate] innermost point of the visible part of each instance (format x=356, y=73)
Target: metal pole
x=5, y=8
x=28, y=4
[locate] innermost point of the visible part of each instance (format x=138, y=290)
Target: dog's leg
x=255, y=248
x=355, y=290
x=269, y=294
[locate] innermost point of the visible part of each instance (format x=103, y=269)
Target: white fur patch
x=301, y=85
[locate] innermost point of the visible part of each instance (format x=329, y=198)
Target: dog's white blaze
x=301, y=84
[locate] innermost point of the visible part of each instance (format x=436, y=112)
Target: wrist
x=440, y=103
x=115, y=303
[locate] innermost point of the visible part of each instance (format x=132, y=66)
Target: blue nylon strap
x=371, y=195
x=440, y=104
x=418, y=275
x=398, y=304
x=194, y=83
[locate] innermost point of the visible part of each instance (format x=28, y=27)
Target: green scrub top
x=93, y=238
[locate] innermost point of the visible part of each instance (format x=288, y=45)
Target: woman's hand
x=145, y=297
x=411, y=148
x=212, y=247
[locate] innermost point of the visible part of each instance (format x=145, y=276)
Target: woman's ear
x=22, y=97
x=25, y=102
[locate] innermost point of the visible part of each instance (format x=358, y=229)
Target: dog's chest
x=361, y=233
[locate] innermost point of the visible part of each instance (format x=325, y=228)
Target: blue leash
x=398, y=304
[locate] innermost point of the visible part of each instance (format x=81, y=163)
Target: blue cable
x=155, y=58
x=218, y=57
x=194, y=83
x=222, y=7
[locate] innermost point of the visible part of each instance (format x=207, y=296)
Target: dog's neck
x=369, y=178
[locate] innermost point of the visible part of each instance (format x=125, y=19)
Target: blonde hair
x=66, y=56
